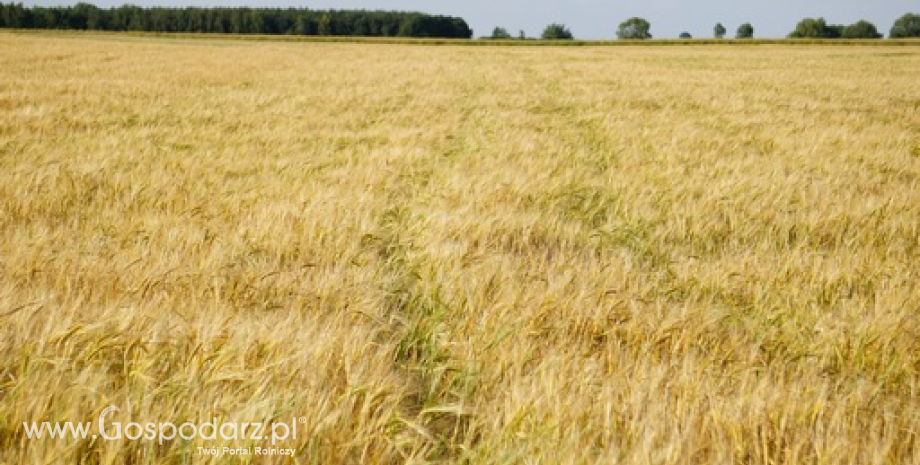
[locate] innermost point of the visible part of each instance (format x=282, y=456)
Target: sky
x=597, y=19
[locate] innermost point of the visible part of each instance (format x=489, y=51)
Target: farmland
x=639, y=255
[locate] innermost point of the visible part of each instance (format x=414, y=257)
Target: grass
x=462, y=255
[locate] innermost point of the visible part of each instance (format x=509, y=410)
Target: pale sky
x=596, y=19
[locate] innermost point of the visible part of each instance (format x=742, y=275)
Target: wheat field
x=445, y=254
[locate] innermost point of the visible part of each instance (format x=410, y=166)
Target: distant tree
x=685, y=35
x=361, y=26
x=325, y=25
x=522, y=35
x=634, y=28
x=906, y=26
x=255, y=22
x=48, y=18
x=745, y=31
x=809, y=28
x=136, y=21
x=861, y=30
x=85, y=16
x=458, y=28
x=816, y=28
x=14, y=15
x=556, y=32
x=303, y=26
x=500, y=33
x=719, y=31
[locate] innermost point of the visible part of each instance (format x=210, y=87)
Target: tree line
x=813, y=28
x=631, y=29
x=242, y=20
x=817, y=28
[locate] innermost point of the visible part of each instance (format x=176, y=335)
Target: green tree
x=48, y=18
x=410, y=27
x=816, y=28
x=136, y=20
x=634, y=28
x=745, y=31
x=255, y=22
x=861, y=30
x=719, y=31
x=196, y=22
x=460, y=29
x=556, y=32
x=303, y=26
x=9, y=17
x=362, y=27
x=500, y=33
x=218, y=24
x=325, y=25
x=906, y=26
x=84, y=16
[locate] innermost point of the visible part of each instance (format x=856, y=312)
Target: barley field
x=446, y=254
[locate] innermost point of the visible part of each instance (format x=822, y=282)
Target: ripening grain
x=638, y=255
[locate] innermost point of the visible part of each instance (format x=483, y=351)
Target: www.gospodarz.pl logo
x=168, y=431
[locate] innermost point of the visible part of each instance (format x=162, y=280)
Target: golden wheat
x=632, y=255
